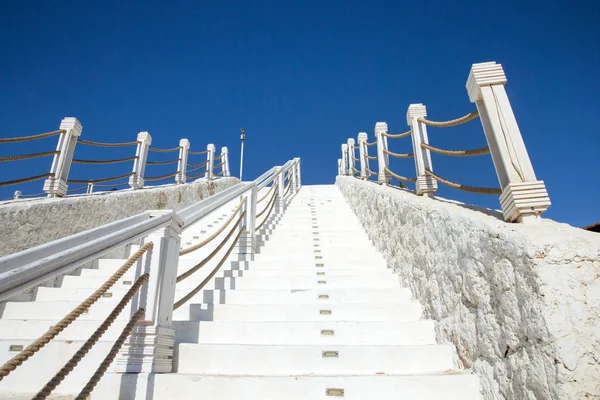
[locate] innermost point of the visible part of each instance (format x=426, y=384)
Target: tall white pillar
x=351, y=156
x=56, y=186
x=382, y=158
x=362, y=151
x=225, y=161
x=345, y=159
x=524, y=197
x=184, y=148
x=136, y=181
x=425, y=185
x=210, y=161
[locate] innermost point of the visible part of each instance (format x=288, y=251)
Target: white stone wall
x=520, y=303
x=28, y=223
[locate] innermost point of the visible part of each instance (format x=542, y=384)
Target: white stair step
x=408, y=311
x=313, y=271
x=453, y=386
x=232, y=359
x=308, y=333
x=29, y=330
x=56, y=310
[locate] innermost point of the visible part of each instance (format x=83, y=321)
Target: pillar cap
x=210, y=147
x=362, y=136
x=381, y=127
x=484, y=74
x=416, y=110
x=344, y=147
x=184, y=143
x=144, y=137
x=73, y=124
x=350, y=142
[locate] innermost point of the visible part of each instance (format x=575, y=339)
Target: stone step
x=277, y=360
x=56, y=310
x=312, y=271
x=449, y=386
x=406, y=311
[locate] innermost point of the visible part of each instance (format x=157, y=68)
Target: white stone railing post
x=294, y=172
x=225, y=161
x=251, y=219
x=298, y=173
x=351, y=156
x=362, y=151
x=340, y=168
x=184, y=148
x=523, y=198
x=210, y=161
x=425, y=185
x=344, y=159
x=280, y=191
x=136, y=180
x=90, y=188
x=150, y=346
x=56, y=185
x=17, y=195
x=382, y=158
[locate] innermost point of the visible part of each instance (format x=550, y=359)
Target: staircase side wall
x=28, y=223
x=520, y=303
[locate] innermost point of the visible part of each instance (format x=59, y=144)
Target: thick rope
x=287, y=188
x=220, y=173
x=268, y=214
x=266, y=194
x=218, y=165
x=115, y=161
x=164, y=150
x=28, y=156
x=33, y=137
x=217, y=232
x=202, y=164
x=198, y=288
x=43, y=340
x=198, y=153
x=77, y=190
x=371, y=144
x=89, y=387
x=195, y=176
x=160, y=178
x=371, y=157
x=99, y=144
x=219, y=156
x=452, y=122
x=163, y=162
x=355, y=158
x=472, y=189
x=459, y=153
x=112, y=185
x=355, y=147
x=114, y=178
x=23, y=180
x=194, y=169
x=268, y=205
x=93, y=339
x=398, y=136
x=398, y=155
x=400, y=177
x=371, y=173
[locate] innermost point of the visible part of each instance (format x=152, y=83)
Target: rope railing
x=400, y=177
x=115, y=161
x=266, y=194
x=219, y=156
x=114, y=178
x=472, y=189
x=371, y=144
x=195, y=169
x=43, y=340
x=32, y=137
x=453, y=122
x=92, y=340
x=163, y=162
x=218, y=165
x=396, y=136
x=160, y=178
x=457, y=153
x=217, y=232
x=25, y=180
x=77, y=190
x=398, y=155
x=29, y=156
x=202, y=164
x=371, y=157
x=271, y=201
x=198, y=153
x=100, y=144
x=164, y=150
x=198, y=288
x=355, y=158
x=112, y=185
x=195, y=176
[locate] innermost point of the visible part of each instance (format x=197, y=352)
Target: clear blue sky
x=302, y=77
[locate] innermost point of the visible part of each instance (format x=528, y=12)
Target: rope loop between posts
x=43, y=340
x=457, y=153
x=219, y=156
x=202, y=164
x=100, y=144
x=272, y=202
x=399, y=177
x=398, y=155
x=452, y=122
x=198, y=153
x=163, y=162
x=115, y=161
x=471, y=189
x=218, y=165
x=164, y=150
x=24, y=180
x=33, y=137
x=198, y=288
x=29, y=156
x=371, y=144
x=217, y=232
x=91, y=341
x=371, y=157
x=160, y=178
x=114, y=178
x=396, y=136
x=266, y=194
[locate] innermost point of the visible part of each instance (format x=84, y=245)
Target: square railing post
x=184, y=148
x=280, y=191
x=382, y=158
x=136, y=180
x=340, y=168
x=351, y=157
x=210, y=161
x=345, y=159
x=150, y=346
x=362, y=152
x=524, y=197
x=225, y=161
x=56, y=185
x=426, y=185
x=298, y=173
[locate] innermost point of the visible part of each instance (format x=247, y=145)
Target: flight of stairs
x=316, y=315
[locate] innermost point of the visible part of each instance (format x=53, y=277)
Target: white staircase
x=316, y=315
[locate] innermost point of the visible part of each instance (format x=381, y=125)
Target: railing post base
x=148, y=349
x=524, y=202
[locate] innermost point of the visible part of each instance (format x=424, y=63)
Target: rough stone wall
x=28, y=223
x=520, y=303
